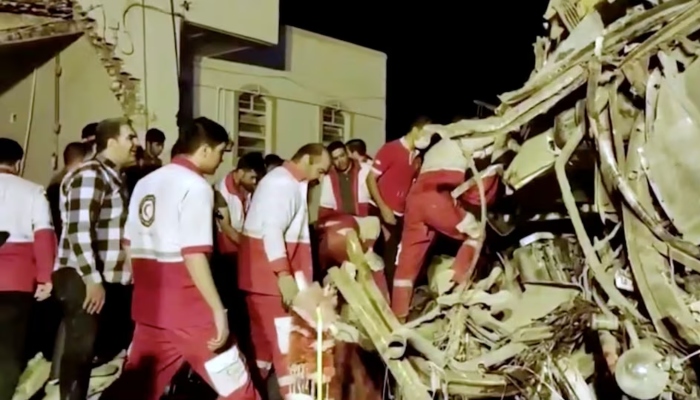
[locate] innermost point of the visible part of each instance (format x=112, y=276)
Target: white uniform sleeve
x=41, y=212
x=327, y=198
x=132, y=217
x=279, y=205
x=195, y=224
x=235, y=210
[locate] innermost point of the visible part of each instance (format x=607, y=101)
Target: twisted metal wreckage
x=614, y=296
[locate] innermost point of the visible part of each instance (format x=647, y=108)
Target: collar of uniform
x=183, y=162
x=296, y=172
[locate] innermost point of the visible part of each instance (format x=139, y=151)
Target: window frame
x=267, y=125
x=346, y=123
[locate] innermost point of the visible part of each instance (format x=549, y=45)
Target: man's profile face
x=155, y=149
x=212, y=158
x=355, y=156
x=318, y=166
x=340, y=159
x=248, y=179
x=126, y=144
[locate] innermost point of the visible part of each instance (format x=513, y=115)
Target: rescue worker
x=344, y=204
x=178, y=313
x=389, y=181
x=91, y=272
x=155, y=143
x=431, y=210
x=235, y=189
x=357, y=149
x=344, y=189
x=73, y=155
x=275, y=255
x=26, y=260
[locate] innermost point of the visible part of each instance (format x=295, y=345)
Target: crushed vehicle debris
x=594, y=287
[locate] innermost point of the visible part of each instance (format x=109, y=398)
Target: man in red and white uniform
x=393, y=171
x=178, y=313
x=345, y=206
x=235, y=191
x=274, y=260
x=432, y=209
x=344, y=189
x=357, y=150
x=26, y=260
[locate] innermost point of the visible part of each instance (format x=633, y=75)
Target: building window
x=333, y=125
x=252, y=124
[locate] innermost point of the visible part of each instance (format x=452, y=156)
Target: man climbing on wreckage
x=433, y=208
x=344, y=206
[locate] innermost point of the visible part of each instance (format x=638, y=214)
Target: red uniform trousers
x=156, y=354
x=262, y=311
x=333, y=246
x=428, y=213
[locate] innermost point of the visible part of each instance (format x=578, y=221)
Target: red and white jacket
x=170, y=216
x=29, y=254
x=237, y=202
x=444, y=168
x=276, y=233
x=331, y=200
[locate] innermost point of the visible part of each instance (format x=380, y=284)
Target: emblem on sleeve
x=147, y=210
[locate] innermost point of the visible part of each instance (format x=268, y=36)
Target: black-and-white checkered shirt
x=93, y=209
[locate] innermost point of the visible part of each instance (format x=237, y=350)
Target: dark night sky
x=442, y=55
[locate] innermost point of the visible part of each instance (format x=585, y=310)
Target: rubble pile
x=592, y=290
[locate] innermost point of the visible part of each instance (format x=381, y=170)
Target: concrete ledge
x=44, y=8
x=26, y=34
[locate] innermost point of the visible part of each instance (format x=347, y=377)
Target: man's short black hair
x=176, y=150
x=89, y=131
x=155, y=135
x=333, y=146
x=10, y=151
x=201, y=131
x=109, y=129
x=74, y=151
x=251, y=162
x=273, y=160
x=357, y=145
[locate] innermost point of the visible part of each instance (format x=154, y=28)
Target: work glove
x=470, y=226
x=288, y=288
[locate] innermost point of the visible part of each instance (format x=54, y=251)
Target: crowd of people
x=124, y=252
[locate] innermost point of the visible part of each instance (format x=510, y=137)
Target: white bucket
x=298, y=396
x=283, y=327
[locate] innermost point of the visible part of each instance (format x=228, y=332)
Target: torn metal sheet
x=670, y=153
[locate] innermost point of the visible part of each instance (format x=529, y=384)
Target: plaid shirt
x=93, y=209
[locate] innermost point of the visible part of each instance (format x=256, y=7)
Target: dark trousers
x=15, y=308
x=81, y=331
x=388, y=247
x=43, y=326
